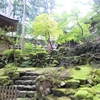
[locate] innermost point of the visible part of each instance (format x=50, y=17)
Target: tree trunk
x=23, y=27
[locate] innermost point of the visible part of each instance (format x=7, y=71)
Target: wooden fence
x=8, y=92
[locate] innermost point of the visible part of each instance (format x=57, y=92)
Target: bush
x=28, y=47
x=9, y=68
x=15, y=52
x=11, y=55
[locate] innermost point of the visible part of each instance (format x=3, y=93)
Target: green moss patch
x=97, y=88
x=85, y=93
x=63, y=91
x=51, y=97
x=4, y=80
x=96, y=98
x=72, y=83
x=83, y=73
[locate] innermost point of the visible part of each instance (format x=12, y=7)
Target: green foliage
x=38, y=59
x=39, y=49
x=4, y=37
x=45, y=26
x=30, y=48
x=15, y=52
x=75, y=34
x=11, y=55
x=26, y=63
x=63, y=20
x=9, y=68
x=4, y=81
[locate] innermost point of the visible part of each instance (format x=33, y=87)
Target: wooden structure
x=5, y=23
x=8, y=93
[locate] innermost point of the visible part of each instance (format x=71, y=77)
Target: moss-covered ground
x=80, y=82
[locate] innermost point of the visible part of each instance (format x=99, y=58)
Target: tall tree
x=75, y=28
x=23, y=27
x=44, y=25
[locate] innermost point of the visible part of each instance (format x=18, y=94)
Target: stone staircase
x=26, y=84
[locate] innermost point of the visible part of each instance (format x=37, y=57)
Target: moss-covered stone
x=4, y=80
x=63, y=91
x=97, y=72
x=83, y=73
x=96, y=98
x=52, y=97
x=59, y=92
x=72, y=83
x=97, y=88
x=90, y=90
x=85, y=93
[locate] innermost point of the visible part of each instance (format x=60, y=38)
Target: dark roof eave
x=6, y=21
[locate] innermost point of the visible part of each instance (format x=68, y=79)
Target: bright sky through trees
x=67, y=5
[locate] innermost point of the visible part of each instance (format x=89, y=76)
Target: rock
x=25, y=82
x=59, y=92
x=72, y=83
x=28, y=77
x=25, y=94
x=26, y=87
x=63, y=92
x=85, y=93
x=42, y=87
x=77, y=68
x=4, y=80
x=51, y=97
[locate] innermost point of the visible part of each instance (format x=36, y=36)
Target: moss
x=63, y=91
x=72, y=83
x=4, y=80
x=41, y=78
x=83, y=73
x=59, y=92
x=51, y=97
x=96, y=98
x=97, y=88
x=15, y=75
x=90, y=90
x=85, y=93
x=81, y=94
x=97, y=72
x=55, y=82
x=96, y=79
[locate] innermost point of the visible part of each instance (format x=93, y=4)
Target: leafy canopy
x=75, y=28
x=44, y=25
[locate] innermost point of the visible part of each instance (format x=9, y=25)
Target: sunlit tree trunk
x=23, y=26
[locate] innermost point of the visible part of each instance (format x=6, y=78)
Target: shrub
x=28, y=47
x=15, y=52
x=9, y=68
x=11, y=54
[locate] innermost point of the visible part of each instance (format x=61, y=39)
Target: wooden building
x=8, y=25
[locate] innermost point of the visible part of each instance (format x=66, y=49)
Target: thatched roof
x=6, y=22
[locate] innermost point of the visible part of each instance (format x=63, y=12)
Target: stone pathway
x=26, y=85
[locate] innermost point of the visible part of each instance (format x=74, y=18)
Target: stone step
x=24, y=99
x=25, y=82
x=28, y=77
x=30, y=73
x=26, y=87
x=24, y=94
